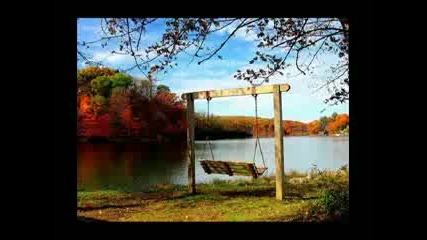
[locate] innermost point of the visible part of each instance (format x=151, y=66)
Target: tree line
x=112, y=104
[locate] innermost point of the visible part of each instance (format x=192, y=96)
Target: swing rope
x=207, y=142
x=256, y=132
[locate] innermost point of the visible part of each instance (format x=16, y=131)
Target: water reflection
x=135, y=167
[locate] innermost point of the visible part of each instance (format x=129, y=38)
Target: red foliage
x=91, y=126
x=133, y=115
x=164, y=115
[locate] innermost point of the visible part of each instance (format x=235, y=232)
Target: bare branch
x=287, y=54
x=130, y=40
x=227, y=19
x=82, y=55
x=139, y=67
x=224, y=26
x=307, y=34
x=110, y=37
x=87, y=60
x=145, y=62
x=228, y=38
x=139, y=39
x=297, y=63
x=320, y=47
x=317, y=40
x=116, y=36
x=330, y=81
x=198, y=49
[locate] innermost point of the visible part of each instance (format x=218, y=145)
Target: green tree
x=121, y=80
x=162, y=87
x=86, y=75
x=102, y=86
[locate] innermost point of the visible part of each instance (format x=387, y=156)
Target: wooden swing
x=233, y=168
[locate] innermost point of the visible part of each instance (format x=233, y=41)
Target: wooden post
x=190, y=144
x=278, y=134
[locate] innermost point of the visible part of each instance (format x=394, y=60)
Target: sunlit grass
x=243, y=200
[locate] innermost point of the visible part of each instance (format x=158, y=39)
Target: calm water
x=135, y=167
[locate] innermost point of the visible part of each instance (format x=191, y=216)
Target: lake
x=136, y=167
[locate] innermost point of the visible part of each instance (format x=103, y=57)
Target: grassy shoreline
x=319, y=198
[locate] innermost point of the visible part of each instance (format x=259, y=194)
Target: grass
x=321, y=198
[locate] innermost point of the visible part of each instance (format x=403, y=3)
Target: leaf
x=251, y=61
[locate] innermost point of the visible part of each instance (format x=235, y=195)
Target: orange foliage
x=314, y=127
x=341, y=121
x=84, y=104
x=266, y=126
x=90, y=73
x=133, y=115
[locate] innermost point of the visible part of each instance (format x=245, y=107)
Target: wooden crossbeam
x=237, y=91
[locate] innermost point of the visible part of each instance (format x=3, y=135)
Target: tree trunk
x=345, y=25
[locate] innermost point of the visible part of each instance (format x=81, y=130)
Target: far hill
x=244, y=126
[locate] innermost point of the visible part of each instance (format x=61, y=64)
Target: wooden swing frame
x=276, y=89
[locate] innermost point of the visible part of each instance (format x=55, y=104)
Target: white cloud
x=241, y=33
x=111, y=58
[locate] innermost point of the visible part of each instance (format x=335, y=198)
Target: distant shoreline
x=99, y=139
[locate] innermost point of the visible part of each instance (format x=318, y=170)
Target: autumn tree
x=99, y=105
x=120, y=103
x=143, y=87
x=334, y=116
x=323, y=123
x=282, y=43
x=86, y=75
x=314, y=127
x=342, y=121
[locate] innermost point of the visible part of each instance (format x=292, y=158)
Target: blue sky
x=301, y=103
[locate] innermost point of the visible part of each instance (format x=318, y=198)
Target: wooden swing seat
x=232, y=168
